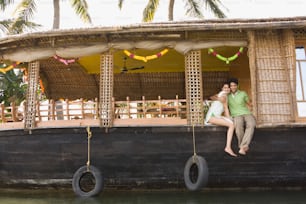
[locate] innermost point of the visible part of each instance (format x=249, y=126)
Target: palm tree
x=80, y=7
x=193, y=8
x=17, y=26
x=26, y=9
x=5, y=25
x=14, y=26
x=5, y=3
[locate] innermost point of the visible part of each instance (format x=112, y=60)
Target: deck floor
x=139, y=122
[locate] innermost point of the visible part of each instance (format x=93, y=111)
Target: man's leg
x=250, y=124
x=239, y=128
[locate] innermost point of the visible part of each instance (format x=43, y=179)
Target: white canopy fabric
x=33, y=54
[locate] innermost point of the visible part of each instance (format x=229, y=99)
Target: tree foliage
x=12, y=88
x=15, y=25
x=193, y=8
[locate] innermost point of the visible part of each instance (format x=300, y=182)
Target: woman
x=214, y=116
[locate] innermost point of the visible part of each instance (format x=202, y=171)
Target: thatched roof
x=145, y=31
x=75, y=81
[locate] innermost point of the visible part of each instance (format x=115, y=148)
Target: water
x=153, y=197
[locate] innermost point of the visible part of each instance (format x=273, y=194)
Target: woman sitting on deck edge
x=215, y=116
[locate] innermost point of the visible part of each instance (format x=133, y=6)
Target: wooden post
x=160, y=107
x=67, y=110
x=114, y=108
x=177, y=106
x=288, y=43
x=96, y=108
x=30, y=113
x=253, y=73
x=194, y=90
x=38, y=110
x=52, y=103
x=3, y=113
x=49, y=111
x=13, y=111
x=82, y=108
x=144, y=106
x=106, y=89
x=128, y=106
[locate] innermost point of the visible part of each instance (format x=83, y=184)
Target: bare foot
x=230, y=152
x=242, y=151
x=245, y=148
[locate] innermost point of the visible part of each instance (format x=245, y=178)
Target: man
x=244, y=121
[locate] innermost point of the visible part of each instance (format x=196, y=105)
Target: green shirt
x=237, y=103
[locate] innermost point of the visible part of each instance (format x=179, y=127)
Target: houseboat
x=130, y=101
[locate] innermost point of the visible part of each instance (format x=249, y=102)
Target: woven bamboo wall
x=213, y=81
x=166, y=85
x=299, y=34
x=72, y=82
x=272, y=84
x=150, y=85
x=67, y=81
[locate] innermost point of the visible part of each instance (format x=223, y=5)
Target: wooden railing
x=160, y=108
x=81, y=109
x=67, y=110
x=11, y=113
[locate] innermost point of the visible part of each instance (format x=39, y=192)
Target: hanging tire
x=87, y=182
x=195, y=173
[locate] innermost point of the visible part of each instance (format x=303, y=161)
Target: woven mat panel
x=275, y=98
x=150, y=85
x=299, y=34
x=128, y=85
x=220, y=35
x=273, y=94
x=213, y=81
x=67, y=81
x=166, y=85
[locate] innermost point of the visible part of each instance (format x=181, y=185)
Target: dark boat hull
x=151, y=157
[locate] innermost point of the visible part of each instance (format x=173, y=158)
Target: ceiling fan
x=124, y=69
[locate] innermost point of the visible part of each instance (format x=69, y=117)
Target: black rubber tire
x=97, y=181
x=196, y=173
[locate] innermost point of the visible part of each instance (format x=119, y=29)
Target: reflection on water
x=155, y=197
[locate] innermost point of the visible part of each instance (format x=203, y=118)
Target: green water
x=153, y=197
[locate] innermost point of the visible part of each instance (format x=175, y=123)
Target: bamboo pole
x=252, y=64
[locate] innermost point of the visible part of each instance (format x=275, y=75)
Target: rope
x=89, y=135
x=194, y=143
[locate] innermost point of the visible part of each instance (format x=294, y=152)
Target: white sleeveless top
x=216, y=108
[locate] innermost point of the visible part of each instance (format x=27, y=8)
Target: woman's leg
x=230, y=132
